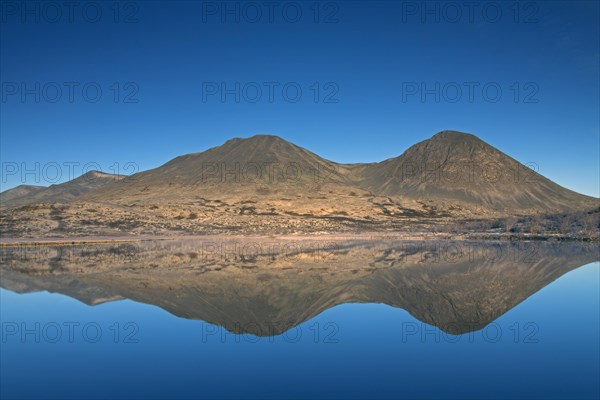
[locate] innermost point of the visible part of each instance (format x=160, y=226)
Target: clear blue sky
x=367, y=59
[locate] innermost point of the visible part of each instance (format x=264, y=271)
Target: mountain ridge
x=265, y=184
x=465, y=169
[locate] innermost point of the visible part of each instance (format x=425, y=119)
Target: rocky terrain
x=452, y=182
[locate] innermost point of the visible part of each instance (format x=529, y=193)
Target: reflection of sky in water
x=377, y=351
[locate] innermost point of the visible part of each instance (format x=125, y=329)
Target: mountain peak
x=261, y=138
x=93, y=173
x=93, y=176
x=454, y=136
x=257, y=143
x=265, y=137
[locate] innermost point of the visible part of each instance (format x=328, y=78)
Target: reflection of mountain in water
x=266, y=287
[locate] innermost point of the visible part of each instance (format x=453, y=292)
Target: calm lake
x=300, y=319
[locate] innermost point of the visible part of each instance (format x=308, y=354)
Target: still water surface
x=376, y=321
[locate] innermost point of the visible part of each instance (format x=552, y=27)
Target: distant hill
x=18, y=192
x=60, y=193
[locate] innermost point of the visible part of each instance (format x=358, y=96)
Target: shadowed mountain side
x=269, y=293
x=60, y=193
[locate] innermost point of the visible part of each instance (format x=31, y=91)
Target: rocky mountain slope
x=460, y=167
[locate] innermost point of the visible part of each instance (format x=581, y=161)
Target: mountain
x=60, y=193
x=450, y=167
x=266, y=185
x=258, y=165
x=459, y=167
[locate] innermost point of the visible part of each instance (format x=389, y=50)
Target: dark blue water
x=546, y=347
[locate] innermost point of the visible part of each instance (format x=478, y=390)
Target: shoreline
x=366, y=236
